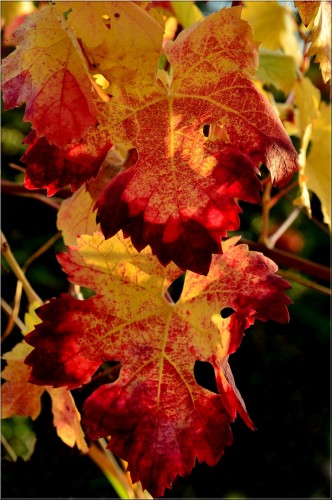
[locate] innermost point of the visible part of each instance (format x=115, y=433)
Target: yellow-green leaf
x=187, y=13
x=307, y=99
x=318, y=166
x=277, y=68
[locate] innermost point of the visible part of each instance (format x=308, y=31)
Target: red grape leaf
x=179, y=196
x=53, y=168
x=48, y=72
x=76, y=214
x=159, y=418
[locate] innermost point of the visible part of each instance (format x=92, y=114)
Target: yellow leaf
x=76, y=216
x=67, y=419
x=318, y=163
x=321, y=40
x=307, y=99
x=30, y=318
x=102, y=24
x=307, y=11
x=274, y=26
x=18, y=397
x=276, y=68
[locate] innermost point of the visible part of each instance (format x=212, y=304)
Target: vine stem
x=302, y=281
x=8, y=255
x=18, y=292
x=281, y=257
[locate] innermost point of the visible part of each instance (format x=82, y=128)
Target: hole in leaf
x=107, y=21
x=106, y=373
x=205, y=130
x=175, y=289
x=205, y=376
x=226, y=312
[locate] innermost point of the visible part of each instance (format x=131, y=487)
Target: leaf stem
x=7, y=253
x=109, y=466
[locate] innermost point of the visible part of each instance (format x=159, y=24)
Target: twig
x=282, y=193
x=305, y=282
x=7, y=253
x=6, y=307
x=272, y=240
x=281, y=257
x=16, y=189
x=265, y=212
x=9, y=449
x=15, y=310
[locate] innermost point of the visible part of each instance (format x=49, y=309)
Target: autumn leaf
x=48, y=72
x=315, y=128
x=121, y=40
x=179, y=196
x=20, y=397
x=76, y=214
x=321, y=40
x=17, y=395
x=53, y=168
x=307, y=10
x=317, y=16
x=317, y=171
x=157, y=343
x=307, y=99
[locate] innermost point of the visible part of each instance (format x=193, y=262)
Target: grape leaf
x=307, y=10
x=315, y=171
x=20, y=397
x=321, y=40
x=179, y=197
x=157, y=343
x=48, y=72
x=53, y=168
x=76, y=214
x=123, y=41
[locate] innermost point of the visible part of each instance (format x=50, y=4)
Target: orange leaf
x=48, y=72
x=179, y=196
x=321, y=40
